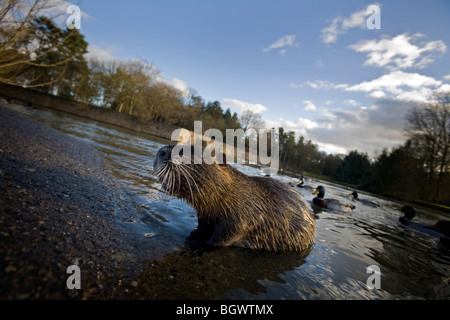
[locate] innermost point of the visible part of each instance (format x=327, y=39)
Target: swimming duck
x=301, y=182
x=409, y=214
x=442, y=226
x=363, y=201
x=332, y=204
x=441, y=229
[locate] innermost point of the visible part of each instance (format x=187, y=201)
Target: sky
x=313, y=67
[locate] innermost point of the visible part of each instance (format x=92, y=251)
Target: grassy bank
x=35, y=98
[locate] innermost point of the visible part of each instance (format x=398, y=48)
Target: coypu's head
x=187, y=175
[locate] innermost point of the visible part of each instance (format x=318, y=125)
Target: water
x=412, y=263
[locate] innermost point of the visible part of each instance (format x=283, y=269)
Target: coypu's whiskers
x=168, y=176
x=173, y=182
x=179, y=180
x=163, y=173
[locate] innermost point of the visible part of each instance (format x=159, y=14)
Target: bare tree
x=251, y=120
x=429, y=130
x=20, y=46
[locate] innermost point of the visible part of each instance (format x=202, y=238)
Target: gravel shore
x=56, y=210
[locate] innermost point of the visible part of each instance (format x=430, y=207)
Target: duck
x=409, y=214
x=443, y=226
x=364, y=201
x=301, y=182
x=332, y=204
x=440, y=229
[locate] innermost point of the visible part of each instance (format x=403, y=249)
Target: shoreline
x=34, y=98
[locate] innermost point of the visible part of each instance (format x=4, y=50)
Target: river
x=412, y=263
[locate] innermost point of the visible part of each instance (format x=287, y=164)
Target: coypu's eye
x=162, y=154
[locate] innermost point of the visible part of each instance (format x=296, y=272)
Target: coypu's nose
x=163, y=155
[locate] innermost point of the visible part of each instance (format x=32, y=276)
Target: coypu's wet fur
x=235, y=209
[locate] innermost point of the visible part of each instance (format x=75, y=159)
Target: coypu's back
x=238, y=210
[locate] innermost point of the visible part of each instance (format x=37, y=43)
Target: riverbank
x=58, y=208
x=34, y=98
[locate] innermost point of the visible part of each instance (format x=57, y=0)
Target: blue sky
x=309, y=66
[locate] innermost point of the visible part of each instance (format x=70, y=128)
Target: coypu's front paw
x=213, y=243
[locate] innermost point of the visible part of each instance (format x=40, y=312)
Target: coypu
x=234, y=209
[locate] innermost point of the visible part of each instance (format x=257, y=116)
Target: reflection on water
x=230, y=273
x=412, y=263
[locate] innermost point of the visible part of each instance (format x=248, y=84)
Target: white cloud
x=372, y=128
x=366, y=129
x=57, y=10
x=179, y=85
x=312, y=84
x=282, y=44
x=400, y=52
x=330, y=33
x=357, y=19
x=444, y=88
x=269, y=124
x=324, y=84
x=318, y=84
x=351, y=102
x=242, y=106
x=308, y=124
x=399, y=85
x=301, y=126
x=341, y=25
x=377, y=94
x=309, y=105
x=331, y=148
x=105, y=54
x=59, y=7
